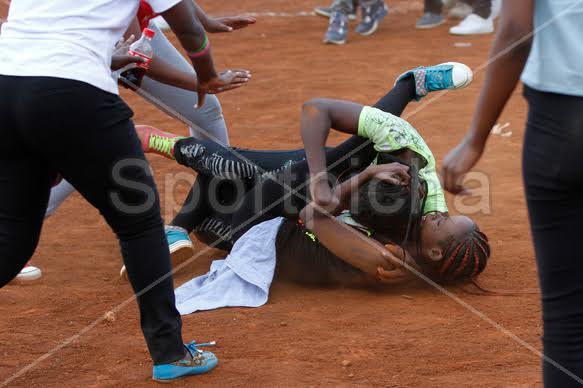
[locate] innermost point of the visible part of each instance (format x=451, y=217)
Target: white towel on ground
x=242, y=279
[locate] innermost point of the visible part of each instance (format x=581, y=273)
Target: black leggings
x=274, y=184
x=85, y=134
x=553, y=178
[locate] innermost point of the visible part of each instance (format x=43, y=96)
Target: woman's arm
x=355, y=249
x=318, y=116
x=189, y=31
x=224, y=24
x=166, y=73
x=394, y=173
x=508, y=55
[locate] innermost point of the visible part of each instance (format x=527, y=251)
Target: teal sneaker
x=449, y=75
x=179, y=244
x=195, y=362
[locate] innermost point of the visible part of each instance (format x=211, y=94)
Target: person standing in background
x=541, y=39
x=480, y=20
x=340, y=11
x=55, y=59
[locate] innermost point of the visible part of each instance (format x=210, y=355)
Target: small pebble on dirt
x=351, y=375
x=109, y=316
x=283, y=324
x=346, y=363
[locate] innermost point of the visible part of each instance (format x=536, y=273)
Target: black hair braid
x=465, y=259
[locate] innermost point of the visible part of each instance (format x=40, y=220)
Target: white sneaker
x=28, y=274
x=473, y=25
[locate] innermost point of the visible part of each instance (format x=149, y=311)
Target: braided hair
x=464, y=259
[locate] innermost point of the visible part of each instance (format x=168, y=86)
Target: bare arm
x=359, y=251
x=318, y=116
x=183, y=20
x=394, y=173
x=224, y=24
x=509, y=54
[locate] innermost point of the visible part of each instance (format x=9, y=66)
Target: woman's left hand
x=228, y=23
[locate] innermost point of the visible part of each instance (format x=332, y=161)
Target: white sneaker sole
x=181, y=251
x=28, y=276
x=336, y=42
x=453, y=31
x=428, y=26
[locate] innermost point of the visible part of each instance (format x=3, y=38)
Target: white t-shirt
x=72, y=39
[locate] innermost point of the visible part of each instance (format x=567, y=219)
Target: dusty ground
x=411, y=336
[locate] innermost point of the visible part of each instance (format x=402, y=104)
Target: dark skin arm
x=512, y=43
x=393, y=173
x=224, y=24
x=361, y=252
x=184, y=22
x=166, y=73
x=318, y=116
x=366, y=254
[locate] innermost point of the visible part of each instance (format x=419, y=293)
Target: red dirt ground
x=409, y=336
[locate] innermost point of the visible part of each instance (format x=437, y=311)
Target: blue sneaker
x=179, y=244
x=196, y=362
x=449, y=75
x=337, y=29
x=371, y=17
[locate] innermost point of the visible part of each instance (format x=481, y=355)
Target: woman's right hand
x=323, y=195
x=393, y=173
x=227, y=80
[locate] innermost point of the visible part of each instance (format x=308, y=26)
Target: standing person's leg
x=327, y=11
x=24, y=190
x=432, y=15
x=107, y=166
x=338, y=24
x=483, y=8
x=372, y=13
x=209, y=117
x=478, y=22
x=553, y=179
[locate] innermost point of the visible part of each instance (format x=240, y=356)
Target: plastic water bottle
x=141, y=48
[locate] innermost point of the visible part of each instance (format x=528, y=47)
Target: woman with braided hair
x=255, y=186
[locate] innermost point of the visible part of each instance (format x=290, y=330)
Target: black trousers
x=270, y=183
x=553, y=178
x=482, y=8
x=55, y=125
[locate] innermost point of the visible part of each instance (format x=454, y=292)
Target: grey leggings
x=209, y=117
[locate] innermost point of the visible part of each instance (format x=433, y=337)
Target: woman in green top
x=271, y=184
